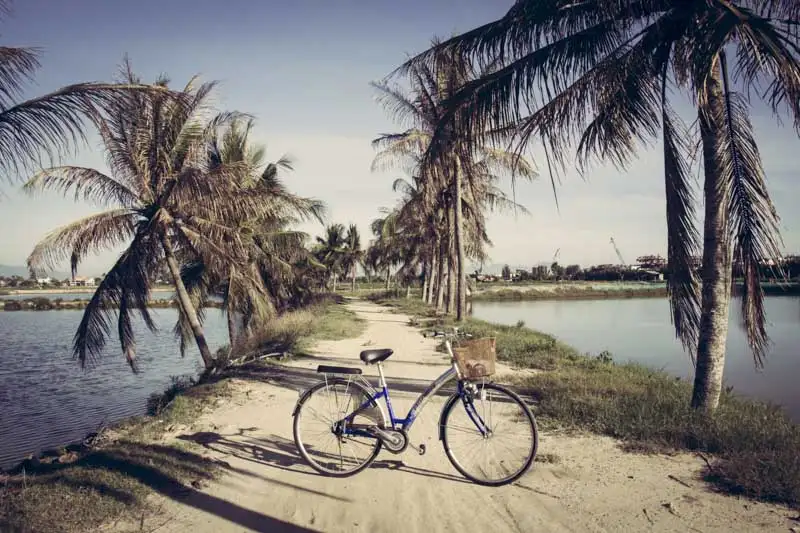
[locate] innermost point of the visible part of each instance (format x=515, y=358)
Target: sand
x=591, y=485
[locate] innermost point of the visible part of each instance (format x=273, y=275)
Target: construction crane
x=621, y=260
x=617, y=251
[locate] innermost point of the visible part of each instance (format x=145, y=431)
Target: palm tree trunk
x=441, y=274
x=426, y=279
x=408, y=290
x=229, y=312
x=334, y=283
x=388, y=276
x=354, y=279
x=461, y=303
x=433, y=271
x=186, y=304
x=717, y=260
x=451, y=263
x=231, y=328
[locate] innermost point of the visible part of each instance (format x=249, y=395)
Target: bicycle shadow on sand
x=280, y=453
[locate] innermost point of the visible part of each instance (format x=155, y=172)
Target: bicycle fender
x=445, y=409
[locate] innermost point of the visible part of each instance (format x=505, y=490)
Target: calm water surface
x=47, y=400
x=639, y=330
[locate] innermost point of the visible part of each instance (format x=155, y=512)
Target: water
x=46, y=399
x=640, y=330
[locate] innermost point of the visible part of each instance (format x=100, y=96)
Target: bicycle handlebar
x=456, y=333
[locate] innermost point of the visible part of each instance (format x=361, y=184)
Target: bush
x=41, y=304
x=158, y=401
x=12, y=305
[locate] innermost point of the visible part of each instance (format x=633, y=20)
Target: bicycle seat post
x=382, y=379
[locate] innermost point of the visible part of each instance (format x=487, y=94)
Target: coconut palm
x=168, y=205
x=49, y=124
x=599, y=75
x=257, y=293
x=331, y=251
x=452, y=166
x=458, y=178
x=353, y=254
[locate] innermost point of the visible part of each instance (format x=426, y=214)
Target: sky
x=303, y=68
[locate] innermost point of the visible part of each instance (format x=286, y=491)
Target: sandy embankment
x=591, y=485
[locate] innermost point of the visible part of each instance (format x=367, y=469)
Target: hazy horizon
x=303, y=68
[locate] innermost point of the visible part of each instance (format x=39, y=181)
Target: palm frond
x=753, y=222
x=124, y=288
x=94, y=186
x=683, y=239
x=17, y=66
x=52, y=123
x=87, y=235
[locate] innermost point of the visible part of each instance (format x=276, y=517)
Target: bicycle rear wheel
x=324, y=446
x=489, y=434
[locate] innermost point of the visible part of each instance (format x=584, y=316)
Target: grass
x=79, y=487
x=567, y=293
x=296, y=331
x=752, y=446
x=82, y=488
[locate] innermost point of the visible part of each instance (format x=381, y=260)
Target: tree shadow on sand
x=278, y=452
x=110, y=481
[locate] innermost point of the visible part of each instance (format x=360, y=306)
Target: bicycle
x=358, y=436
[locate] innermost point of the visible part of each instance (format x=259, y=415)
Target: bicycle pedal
x=421, y=449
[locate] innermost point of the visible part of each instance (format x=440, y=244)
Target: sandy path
x=592, y=487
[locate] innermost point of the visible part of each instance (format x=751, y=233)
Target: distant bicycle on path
x=487, y=431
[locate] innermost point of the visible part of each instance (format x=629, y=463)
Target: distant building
x=80, y=281
x=44, y=281
x=650, y=275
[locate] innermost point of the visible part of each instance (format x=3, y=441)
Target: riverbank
x=6, y=291
x=112, y=473
x=59, y=304
x=597, y=290
x=243, y=437
x=751, y=446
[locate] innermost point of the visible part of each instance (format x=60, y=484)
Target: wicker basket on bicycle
x=475, y=358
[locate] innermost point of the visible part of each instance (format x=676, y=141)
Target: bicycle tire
x=454, y=401
x=298, y=441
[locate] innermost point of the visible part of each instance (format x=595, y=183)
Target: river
x=46, y=399
x=639, y=330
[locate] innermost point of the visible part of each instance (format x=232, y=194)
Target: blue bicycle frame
x=406, y=423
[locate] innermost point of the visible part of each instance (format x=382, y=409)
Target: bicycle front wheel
x=489, y=434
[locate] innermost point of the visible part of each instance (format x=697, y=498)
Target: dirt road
x=588, y=485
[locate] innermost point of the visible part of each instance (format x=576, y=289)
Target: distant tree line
x=647, y=268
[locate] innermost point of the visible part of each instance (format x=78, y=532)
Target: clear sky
x=303, y=68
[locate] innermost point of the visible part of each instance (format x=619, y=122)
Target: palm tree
x=48, y=124
x=353, y=254
x=169, y=205
x=264, y=287
x=450, y=168
x=599, y=75
x=331, y=250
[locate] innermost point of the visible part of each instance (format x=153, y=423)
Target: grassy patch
x=81, y=488
x=295, y=331
x=752, y=447
x=569, y=293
